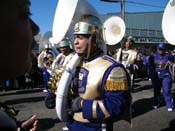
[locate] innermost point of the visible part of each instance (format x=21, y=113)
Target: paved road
x=144, y=117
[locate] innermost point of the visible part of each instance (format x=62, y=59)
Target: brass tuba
x=68, y=12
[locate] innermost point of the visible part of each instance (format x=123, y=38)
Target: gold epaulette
x=117, y=80
x=116, y=85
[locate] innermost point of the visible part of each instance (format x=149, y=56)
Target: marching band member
x=129, y=58
x=45, y=59
x=57, y=67
x=64, y=57
x=160, y=76
x=100, y=84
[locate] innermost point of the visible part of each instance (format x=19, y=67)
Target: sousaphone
x=168, y=29
x=168, y=22
x=68, y=12
x=114, y=30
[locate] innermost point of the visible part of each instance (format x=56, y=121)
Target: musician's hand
x=76, y=105
x=30, y=124
x=135, y=67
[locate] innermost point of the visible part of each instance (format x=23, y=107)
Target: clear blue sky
x=43, y=10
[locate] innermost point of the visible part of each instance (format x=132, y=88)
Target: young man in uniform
x=101, y=85
x=161, y=77
x=129, y=58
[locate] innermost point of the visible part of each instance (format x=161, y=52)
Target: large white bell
x=68, y=12
x=114, y=30
x=168, y=22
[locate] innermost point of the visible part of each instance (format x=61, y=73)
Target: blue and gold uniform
x=103, y=84
x=161, y=77
x=45, y=60
x=130, y=58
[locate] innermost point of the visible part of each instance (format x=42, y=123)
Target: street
x=145, y=118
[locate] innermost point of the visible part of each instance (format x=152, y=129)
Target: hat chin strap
x=88, y=53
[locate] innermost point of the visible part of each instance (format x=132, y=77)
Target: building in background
x=145, y=27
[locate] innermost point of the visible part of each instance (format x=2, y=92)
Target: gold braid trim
x=116, y=85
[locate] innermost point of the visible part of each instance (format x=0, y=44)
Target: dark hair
x=125, y=39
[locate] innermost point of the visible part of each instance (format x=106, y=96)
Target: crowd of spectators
x=29, y=80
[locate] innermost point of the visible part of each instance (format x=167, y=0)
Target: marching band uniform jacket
x=103, y=84
x=129, y=58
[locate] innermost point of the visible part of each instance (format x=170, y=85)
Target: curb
x=21, y=91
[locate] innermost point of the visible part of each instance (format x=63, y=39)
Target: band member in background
x=66, y=53
x=17, y=41
x=100, y=85
x=161, y=77
x=57, y=68
x=58, y=65
x=45, y=60
x=129, y=58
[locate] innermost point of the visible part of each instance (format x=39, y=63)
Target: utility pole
x=122, y=3
x=123, y=9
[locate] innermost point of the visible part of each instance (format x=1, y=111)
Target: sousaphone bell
x=168, y=22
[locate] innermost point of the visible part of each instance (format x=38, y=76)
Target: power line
x=143, y=4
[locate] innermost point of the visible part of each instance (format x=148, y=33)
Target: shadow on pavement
x=171, y=126
x=47, y=123
x=141, y=88
x=141, y=106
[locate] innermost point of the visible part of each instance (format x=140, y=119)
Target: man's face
x=128, y=43
x=160, y=51
x=81, y=43
x=16, y=38
x=65, y=50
